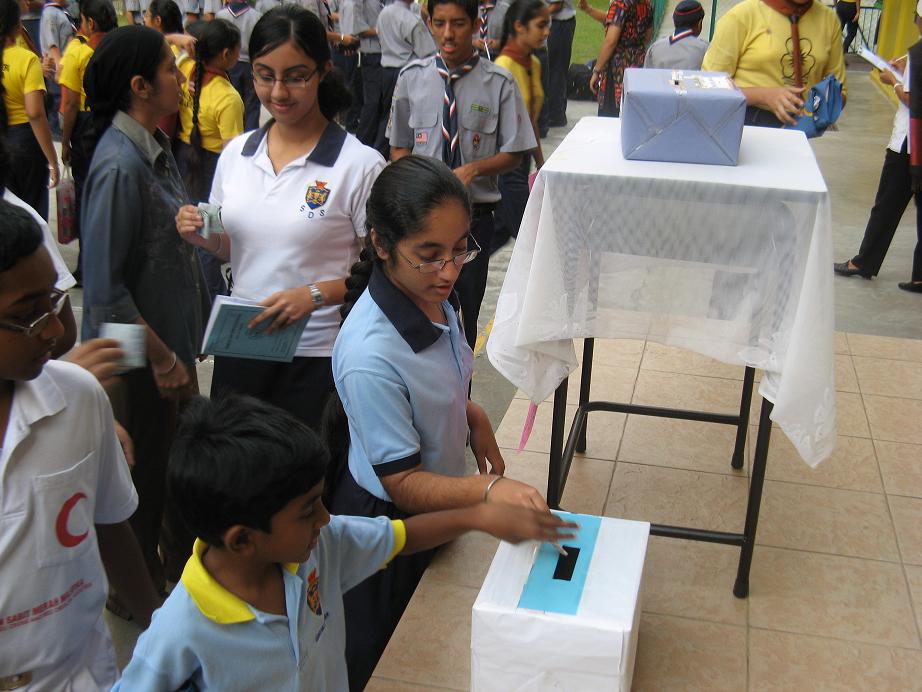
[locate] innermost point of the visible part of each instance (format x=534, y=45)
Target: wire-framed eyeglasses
x=267, y=81
x=37, y=326
x=438, y=265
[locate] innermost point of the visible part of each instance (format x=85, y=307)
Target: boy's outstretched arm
x=508, y=522
x=126, y=571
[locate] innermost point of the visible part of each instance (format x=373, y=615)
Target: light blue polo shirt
x=403, y=381
x=206, y=635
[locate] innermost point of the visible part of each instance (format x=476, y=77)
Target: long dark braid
x=216, y=36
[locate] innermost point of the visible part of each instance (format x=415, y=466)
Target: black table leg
x=756, y=481
x=584, y=381
x=739, y=449
x=555, y=467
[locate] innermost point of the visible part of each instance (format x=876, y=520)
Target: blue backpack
x=822, y=107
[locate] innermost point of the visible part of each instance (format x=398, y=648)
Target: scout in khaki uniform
x=469, y=113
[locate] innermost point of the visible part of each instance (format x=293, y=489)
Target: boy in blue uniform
x=259, y=605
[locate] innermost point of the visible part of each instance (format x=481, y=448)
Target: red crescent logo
x=65, y=538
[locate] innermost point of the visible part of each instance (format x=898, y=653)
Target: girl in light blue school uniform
x=402, y=369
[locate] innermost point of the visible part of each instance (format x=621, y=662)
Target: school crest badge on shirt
x=317, y=194
x=313, y=593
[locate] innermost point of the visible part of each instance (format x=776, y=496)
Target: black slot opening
x=566, y=563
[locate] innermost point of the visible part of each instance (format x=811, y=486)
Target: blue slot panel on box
x=555, y=583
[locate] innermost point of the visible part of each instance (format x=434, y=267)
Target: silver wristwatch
x=316, y=295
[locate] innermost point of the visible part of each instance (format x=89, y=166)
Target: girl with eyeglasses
x=293, y=207
x=403, y=369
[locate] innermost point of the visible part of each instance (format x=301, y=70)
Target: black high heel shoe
x=842, y=269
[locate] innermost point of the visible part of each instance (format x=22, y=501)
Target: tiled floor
x=836, y=587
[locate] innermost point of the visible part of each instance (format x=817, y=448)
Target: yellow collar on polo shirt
x=214, y=601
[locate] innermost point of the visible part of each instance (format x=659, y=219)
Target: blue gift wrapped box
x=682, y=116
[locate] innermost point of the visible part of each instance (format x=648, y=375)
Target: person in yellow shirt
x=210, y=115
x=526, y=26
x=97, y=18
x=23, y=124
x=752, y=43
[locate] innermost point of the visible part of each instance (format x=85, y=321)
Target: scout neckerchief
x=794, y=12
x=679, y=35
x=915, y=116
x=237, y=8
x=514, y=51
x=451, y=152
x=486, y=7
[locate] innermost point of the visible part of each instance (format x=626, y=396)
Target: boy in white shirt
x=66, y=493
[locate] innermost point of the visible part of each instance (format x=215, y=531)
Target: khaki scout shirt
x=492, y=117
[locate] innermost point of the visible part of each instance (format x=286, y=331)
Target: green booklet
x=227, y=333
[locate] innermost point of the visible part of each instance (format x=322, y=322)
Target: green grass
x=588, y=35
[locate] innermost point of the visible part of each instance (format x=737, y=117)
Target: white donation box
x=544, y=621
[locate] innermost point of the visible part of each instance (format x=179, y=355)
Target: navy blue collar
x=325, y=153
x=409, y=321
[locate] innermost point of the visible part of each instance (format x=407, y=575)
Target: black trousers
x=300, y=387
x=846, y=12
x=348, y=64
x=893, y=194
x=241, y=76
x=371, y=99
x=513, y=186
x=472, y=283
x=388, y=82
x=28, y=174
x=374, y=608
x=559, y=47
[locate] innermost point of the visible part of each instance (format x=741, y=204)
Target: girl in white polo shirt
x=293, y=206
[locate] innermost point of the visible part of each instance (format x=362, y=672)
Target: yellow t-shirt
x=220, y=112
x=22, y=74
x=752, y=45
x=73, y=66
x=532, y=91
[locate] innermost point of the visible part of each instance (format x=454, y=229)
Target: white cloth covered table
x=730, y=262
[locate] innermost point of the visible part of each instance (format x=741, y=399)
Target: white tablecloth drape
x=733, y=262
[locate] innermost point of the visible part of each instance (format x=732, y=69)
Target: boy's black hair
x=238, y=460
x=20, y=235
x=471, y=7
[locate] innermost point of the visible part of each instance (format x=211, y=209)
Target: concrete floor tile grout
x=836, y=639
